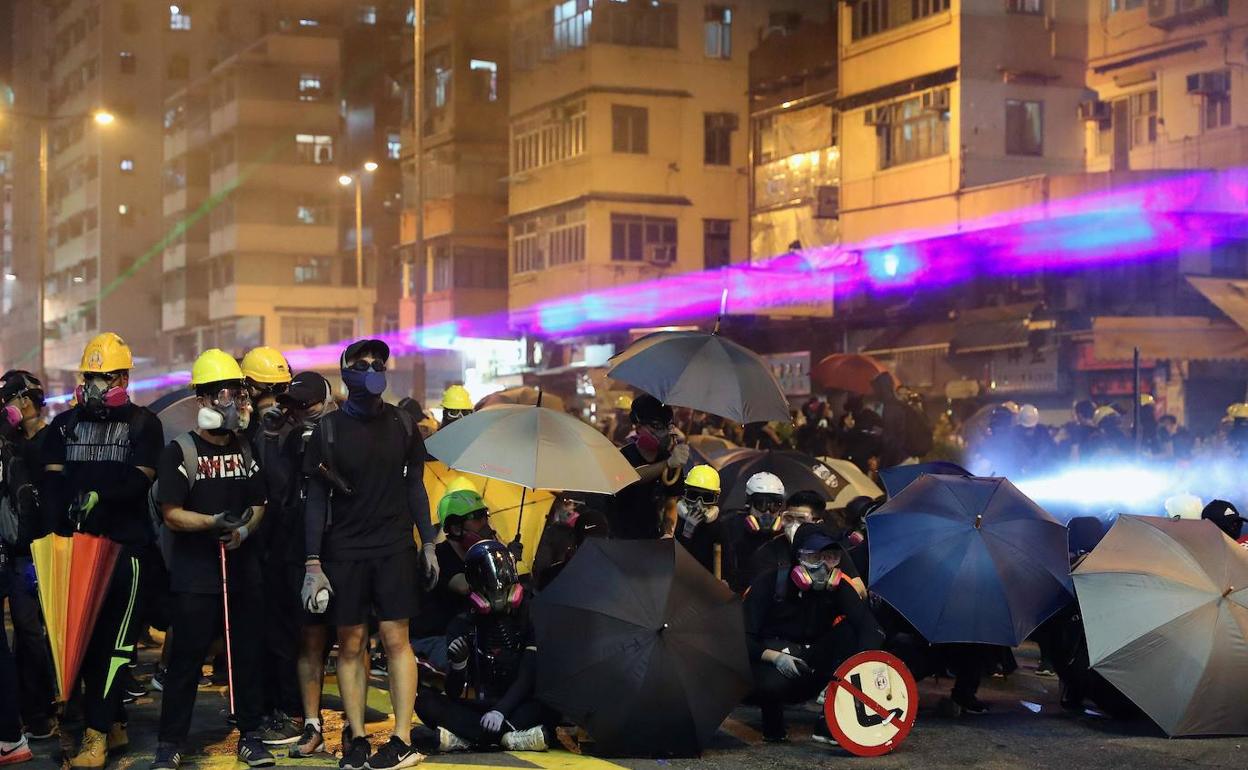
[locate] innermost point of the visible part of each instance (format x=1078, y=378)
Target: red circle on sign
x=904, y=723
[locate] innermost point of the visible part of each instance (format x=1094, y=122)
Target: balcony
x=443, y=306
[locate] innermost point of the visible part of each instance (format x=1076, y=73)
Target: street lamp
x=347, y=180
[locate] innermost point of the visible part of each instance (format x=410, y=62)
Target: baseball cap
x=306, y=389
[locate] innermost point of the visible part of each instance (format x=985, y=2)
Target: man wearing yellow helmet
x=100, y=459
x=697, y=514
x=267, y=376
x=456, y=404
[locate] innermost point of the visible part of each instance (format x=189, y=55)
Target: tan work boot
x=93, y=753
x=118, y=740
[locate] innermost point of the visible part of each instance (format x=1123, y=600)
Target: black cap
x=16, y=382
x=812, y=537
x=379, y=349
x=1224, y=514
x=647, y=408
x=306, y=389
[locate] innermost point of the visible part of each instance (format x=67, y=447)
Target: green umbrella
x=1165, y=608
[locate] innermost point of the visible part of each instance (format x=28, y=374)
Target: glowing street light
x=103, y=117
x=346, y=180
x=370, y=166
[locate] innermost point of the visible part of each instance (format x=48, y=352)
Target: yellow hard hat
x=215, y=365
x=266, y=365
x=624, y=403
x=1238, y=412
x=461, y=484
x=1101, y=413
x=456, y=397
x=1146, y=399
x=703, y=477
x=105, y=353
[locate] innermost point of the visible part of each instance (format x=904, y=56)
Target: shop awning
x=1228, y=295
x=933, y=337
x=990, y=336
x=1168, y=337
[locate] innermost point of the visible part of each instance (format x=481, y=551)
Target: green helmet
x=461, y=502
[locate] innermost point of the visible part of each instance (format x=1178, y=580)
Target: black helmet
x=647, y=408
x=492, y=577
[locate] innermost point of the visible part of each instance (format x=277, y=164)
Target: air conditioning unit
x=1095, y=110
x=936, y=101
x=1209, y=83
x=660, y=253
x=827, y=202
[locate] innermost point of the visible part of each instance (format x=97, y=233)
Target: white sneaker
x=533, y=739
x=449, y=741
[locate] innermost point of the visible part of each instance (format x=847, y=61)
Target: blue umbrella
x=899, y=477
x=969, y=559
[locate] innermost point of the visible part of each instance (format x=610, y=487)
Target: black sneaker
x=1044, y=669
x=281, y=730
x=395, y=755
x=822, y=735
x=971, y=705
x=158, y=679
x=133, y=692
x=355, y=756
x=167, y=758
x=310, y=743
x=251, y=751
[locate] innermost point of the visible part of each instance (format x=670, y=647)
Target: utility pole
x=418, y=145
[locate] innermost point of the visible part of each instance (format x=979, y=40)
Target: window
x=1024, y=127
x=314, y=148
x=872, y=17
x=570, y=24
x=312, y=270
x=443, y=274
x=485, y=79
x=310, y=331
x=310, y=87
x=311, y=210
x=913, y=129
x=1024, y=6
x=648, y=24
x=1216, y=104
x=126, y=165
x=1124, y=5
x=394, y=146
x=128, y=64
x=548, y=137
x=525, y=248
x=717, y=31
x=717, y=128
x=180, y=17
x=367, y=14
x=1143, y=111
x=438, y=77
x=636, y=238
x=716, y=243
x=630, y=129
x=555, y=237
x=178, y=67
x=129, y=17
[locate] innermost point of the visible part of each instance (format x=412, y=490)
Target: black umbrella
x=642, y=647
x=796, y=470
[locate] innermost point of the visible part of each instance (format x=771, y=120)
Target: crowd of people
x=311, y=513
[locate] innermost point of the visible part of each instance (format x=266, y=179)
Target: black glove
x=457, y=652
x=516, y=548
x=228, y=521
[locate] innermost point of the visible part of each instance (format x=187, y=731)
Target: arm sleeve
x=524, y=685
x=757, y=606
x=316, y=509
x=417, y=495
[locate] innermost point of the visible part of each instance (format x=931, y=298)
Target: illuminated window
x=180, y=17
x=367, y=14
x=394, y=146
x=128, y=63
x=126, y=165
x=913, y=129
x=314, y=148
x=310, y=87
x=548, y=137
x=718, y=32
x=485, y=75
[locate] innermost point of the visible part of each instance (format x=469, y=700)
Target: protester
x=366, y=460
x=267, y=376
x=1109, y=440
x=14, y=746
x=1038, y=450
x=572, y=518
x=801, y=624
x=816, y=437
x=1228, y=519
x=100, y=459
x=746, y=531
x=621, y=426
x=21, y=473
x=491, y=650
x=212, y=498
x=1078, y=432
x=802, y=507
x=658, y=454
x=456, y=404
x=697, y=514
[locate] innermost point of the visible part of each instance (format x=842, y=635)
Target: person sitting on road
x=493, y=651
x=800, y=625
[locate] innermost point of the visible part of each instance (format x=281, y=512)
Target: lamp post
x=356, y=180
x=101, y=118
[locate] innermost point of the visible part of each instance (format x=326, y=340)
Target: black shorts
x=384, y=589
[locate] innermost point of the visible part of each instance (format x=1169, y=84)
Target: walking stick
x=229, y=655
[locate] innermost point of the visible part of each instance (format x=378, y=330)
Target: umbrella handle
x=523, y=491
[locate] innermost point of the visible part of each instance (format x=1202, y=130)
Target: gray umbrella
x=1165, y=607
x=534, y=447
x=703, y=371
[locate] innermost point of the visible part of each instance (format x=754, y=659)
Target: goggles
x=269, y=388
x=455, y=414
x=231, y=397
x=829, y=558
x=107, y=378
x=767, y=502
x=704, y=496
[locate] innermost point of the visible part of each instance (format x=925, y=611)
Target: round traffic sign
x=871, y=704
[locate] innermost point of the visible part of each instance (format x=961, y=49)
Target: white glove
x=316, y=589
x=492, y=722
x=429, y=557
x=789, y=666
x=679, y=456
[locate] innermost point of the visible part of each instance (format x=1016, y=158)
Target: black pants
x=197, y=623
x=281, y=636
x=10, y=718
x=36, y=680
x=112, y=645
x=966, y=662
x=773, y=691
x=463, y=717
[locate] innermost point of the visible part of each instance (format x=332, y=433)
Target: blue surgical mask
x=364, y=385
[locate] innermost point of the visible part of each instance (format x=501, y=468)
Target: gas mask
x=466, y=537
x=227, y=412
x=566, y=513
x=97, y=396
x=10, y=421
x=697, y=507
x=816, y=571
x=764, y=515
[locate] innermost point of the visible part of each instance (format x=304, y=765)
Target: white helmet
x=1184, y=506
x=1028, y=416
x=764, y=483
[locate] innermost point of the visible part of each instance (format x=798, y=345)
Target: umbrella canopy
x=854, y=483
x=503, y=500
x=708, y=449
x=969, y=560
x=73, y=574
x=534, y=447
x=641, y=646
x=899, y=477
x=178, y=413
x=526, y=395
x=847, y=371
x=796, y=470
x=1165, y=608
x=703, y=371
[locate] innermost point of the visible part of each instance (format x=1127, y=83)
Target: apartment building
x=629, y=156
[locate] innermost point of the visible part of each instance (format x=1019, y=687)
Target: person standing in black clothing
x=493, y=650
x=697, y=516
x=659, y=455
x=800, y=625
x=100, y=459
x=22, y=394
x=366, y=491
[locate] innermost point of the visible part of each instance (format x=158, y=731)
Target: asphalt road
x=1024, y=728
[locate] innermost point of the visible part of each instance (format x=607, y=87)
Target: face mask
x=566, y=516
x=97, y=397
x=507, y=599
x=763, y=522
x=364, y=385
x=814, y=576
x=790, y=529
x=218, y=420
x=272, y=418
x=10, y=421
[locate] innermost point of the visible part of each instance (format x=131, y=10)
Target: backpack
x=190, y=466
x=406, y=420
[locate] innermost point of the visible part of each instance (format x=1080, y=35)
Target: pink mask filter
x=13, y=416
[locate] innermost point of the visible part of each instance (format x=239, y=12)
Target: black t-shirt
x=98, y=455
x=636, y=512
x=374, y=456
x=287, y=490
x=224, y=481
x=440, y=606
x=22, y=476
